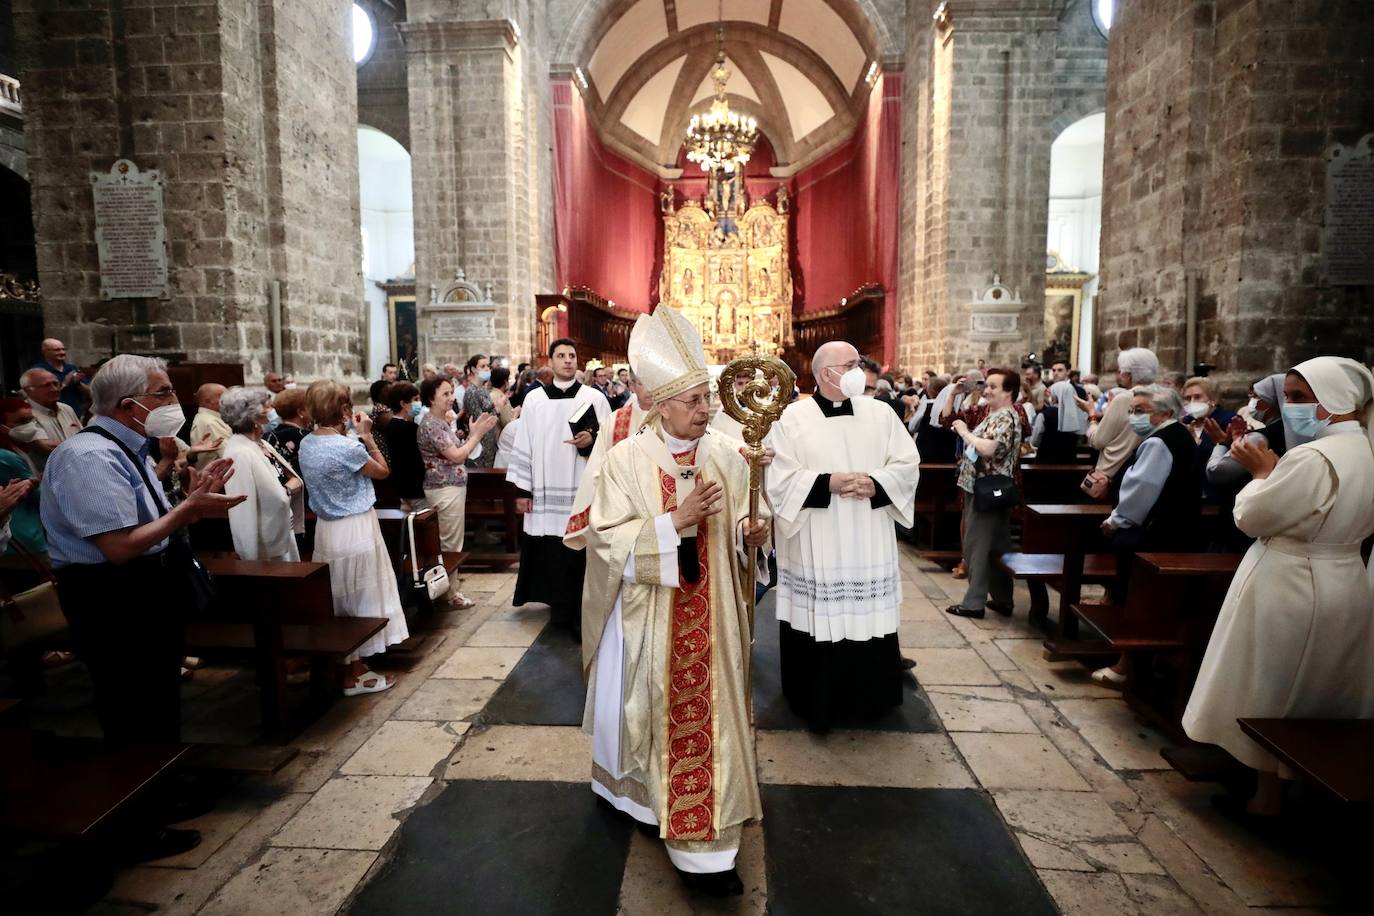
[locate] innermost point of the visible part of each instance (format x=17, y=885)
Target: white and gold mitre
x=666, y=353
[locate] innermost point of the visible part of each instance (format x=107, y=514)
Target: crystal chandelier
x=721, y=139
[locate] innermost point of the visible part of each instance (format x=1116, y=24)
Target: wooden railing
x=857, y=319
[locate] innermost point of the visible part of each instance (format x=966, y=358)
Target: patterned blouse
x=1004, y=427
x=433, y=437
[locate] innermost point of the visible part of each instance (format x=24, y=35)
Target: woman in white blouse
x=264, y=525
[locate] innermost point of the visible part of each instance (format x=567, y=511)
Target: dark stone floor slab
x=862, y=851
x=544, y=688
x=770, y=707
x=504, y=847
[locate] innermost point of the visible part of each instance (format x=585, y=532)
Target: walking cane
x=757, y=407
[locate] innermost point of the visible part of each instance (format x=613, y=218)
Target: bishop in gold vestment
x=665, y=629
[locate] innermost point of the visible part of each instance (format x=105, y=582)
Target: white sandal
x=359, y=688
x=459, y=602
x=1108, y=677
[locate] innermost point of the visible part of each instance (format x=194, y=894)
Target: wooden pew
x=937, y=511
x=491, y=496
x=1170, y=610
x=1052, y=483
x=64, y=788
x=1068, y=532
x=1335, y=754
x=428, y=545
x=276, y=609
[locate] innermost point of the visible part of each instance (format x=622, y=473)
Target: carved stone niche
x=458, y=320
x=995, y=313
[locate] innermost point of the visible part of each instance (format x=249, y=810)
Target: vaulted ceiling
x=803, y=68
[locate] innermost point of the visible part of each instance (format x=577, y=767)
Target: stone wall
x=247, y=110
x=1218, y=118
x=383, y=95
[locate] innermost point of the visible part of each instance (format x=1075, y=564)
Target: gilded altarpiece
x=725, y=267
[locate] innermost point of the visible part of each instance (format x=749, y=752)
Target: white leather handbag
x=433, y=580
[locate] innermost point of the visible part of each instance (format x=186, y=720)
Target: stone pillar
x=988, y=86
x=480, y=132
x=248, y=109
x=1219, y=120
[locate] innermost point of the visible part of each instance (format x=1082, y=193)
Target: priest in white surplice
x=546, y=465
x=664, y=618
x=1295, y=636
x=844, y=472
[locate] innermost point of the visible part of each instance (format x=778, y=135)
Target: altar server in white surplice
x=1295, y=637
x=546, y=465
x=844, y=472
x=666, y=632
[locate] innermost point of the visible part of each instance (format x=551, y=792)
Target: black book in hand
x=584, y=420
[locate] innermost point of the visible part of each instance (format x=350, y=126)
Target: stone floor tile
x=292, y=881
x=1062, y=817
x=1116, y=733
x=352, y=812
x=1017, y=762
x=995, y=658
x=448, y=700
x=980, y=709
x=653, y=888
x=1159, y=895
x=960, y=667
x=473, y=662
x=1046, y=855
x=525, y=612
x=1054, y=679
x=860, y=758
x=928, y=634
x=1262, y=872
x=919, y=607
x=216, y=828
x=1096, y=894
x=1192, y=874
x=1123, y=858
x=552, y=753
x=405, y=749
x=509, y=633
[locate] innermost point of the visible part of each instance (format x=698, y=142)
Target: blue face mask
x=1141, y=425
x=415, y=409
x=484, y=375
x=1303, y=419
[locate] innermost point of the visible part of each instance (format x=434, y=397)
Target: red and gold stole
x=619, y=432
x=691, y=719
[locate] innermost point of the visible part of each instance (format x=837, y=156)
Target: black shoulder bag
x=997, y=491
x=200, y=585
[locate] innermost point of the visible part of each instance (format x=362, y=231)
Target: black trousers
x=129, y=623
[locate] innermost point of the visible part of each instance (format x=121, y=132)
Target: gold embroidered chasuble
x=685, y=745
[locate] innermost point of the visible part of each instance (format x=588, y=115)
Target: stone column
x=1219, y=122
x=247, y=108
x=988, y=86
x=480, y=132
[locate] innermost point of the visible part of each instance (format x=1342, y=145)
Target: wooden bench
x=1041, y=570
x=64, y=788
x=277, y=609
x=1335, y=754
x=492, y=497
x=937, y=508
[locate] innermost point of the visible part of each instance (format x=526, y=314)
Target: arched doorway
x=1073, y=237
x=388, y=227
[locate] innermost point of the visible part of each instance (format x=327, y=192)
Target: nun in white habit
x=1295, y=637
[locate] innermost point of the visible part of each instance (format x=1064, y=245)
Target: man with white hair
x=844, y=471
x=1113, y=438
x=70, y=379
x=56, y=421
x=124, y=571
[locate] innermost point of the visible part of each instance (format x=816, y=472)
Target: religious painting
x=405, y=335
x=1063, y=308
x=725, y=313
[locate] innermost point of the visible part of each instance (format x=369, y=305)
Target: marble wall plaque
x=993, y=323
x=130, y=237
x=1348, y=247
x=464, y=327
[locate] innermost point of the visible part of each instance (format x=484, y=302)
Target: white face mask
x=26, y=432
x=163, y=421
x=851, y=383
x=1197, y=409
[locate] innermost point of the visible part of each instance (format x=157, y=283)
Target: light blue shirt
x=1143, y=483
x=329, y=467
x=90, y=487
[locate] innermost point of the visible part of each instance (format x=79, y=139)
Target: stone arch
x=1072, y=115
